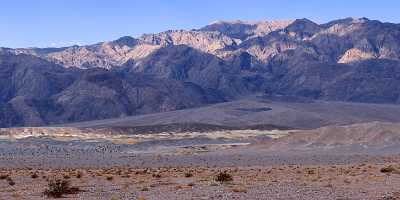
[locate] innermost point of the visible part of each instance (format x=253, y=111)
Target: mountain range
x=352, y=60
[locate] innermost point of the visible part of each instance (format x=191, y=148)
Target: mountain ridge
x=355, y=60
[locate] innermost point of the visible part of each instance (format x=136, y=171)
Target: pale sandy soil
x=360, y=181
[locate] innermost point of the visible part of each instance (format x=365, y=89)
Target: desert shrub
x=3, y=176
x=79, y=175
x=34, y=175
x=188, y=174
x=156, y=175
x=109, y=178
x=223, y=177
x=57, y=188
x=10, y=181
x=389, y=170
x=310, y=171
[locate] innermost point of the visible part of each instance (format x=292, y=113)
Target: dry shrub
x=110, y=178
x=223, y=177
x=4, y=176
x=34, y=176
x=188, y=174
x=390, y=170
x=57, y=188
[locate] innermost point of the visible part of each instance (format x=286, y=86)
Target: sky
x=55, y=23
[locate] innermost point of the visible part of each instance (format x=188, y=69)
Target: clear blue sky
x=27, y=23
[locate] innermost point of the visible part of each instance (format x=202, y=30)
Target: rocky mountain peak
x=303, y=28
x=204, y=41
x=346, y=21
x=126, y=41
x=244, y=30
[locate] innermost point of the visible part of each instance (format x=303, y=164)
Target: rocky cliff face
x=205, y=41
x=243, y=30
x=348, y=60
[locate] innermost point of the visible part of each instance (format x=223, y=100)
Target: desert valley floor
x=342, y=154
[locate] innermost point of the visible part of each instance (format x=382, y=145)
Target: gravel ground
x=112, y=171
x=362, y=181
x=48, y=153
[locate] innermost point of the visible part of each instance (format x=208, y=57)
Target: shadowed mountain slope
x=355, y=60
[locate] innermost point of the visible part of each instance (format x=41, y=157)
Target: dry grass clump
x=223, y=177
x=57, y=188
